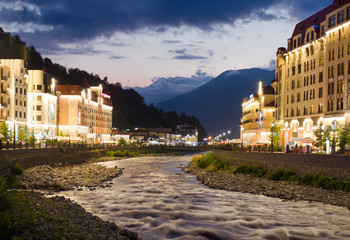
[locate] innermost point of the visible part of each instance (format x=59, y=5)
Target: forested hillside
x=129, y=108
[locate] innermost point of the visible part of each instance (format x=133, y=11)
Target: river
x=155, y=198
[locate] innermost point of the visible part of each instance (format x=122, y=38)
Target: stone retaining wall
x=333, y=165
x=29, y=158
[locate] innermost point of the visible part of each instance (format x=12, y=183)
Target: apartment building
x=258, y=113
x=313, y=74
x=84, y=114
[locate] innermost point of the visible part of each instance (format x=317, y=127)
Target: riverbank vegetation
x=212, y=163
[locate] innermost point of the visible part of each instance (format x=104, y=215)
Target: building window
x=24, y=115
x=320, y=77
x=38, y=98
x=293, y=84
x=299, y=83
x=341, y=17
x=20, y=91
x=331, y=72
x=299, y=41
x=320, y=108
x=322, y=31
x=330, y=105
x=298, y=97
x=16, y=90
x=16, y=102
x=341, y=67
x=292, y=112
x=15, y=113
x=38, y=117
x=331, y=21
x=24, y=103
x=312, y=111
x=38, y=107
x=293, y=71
x=340, y=86
x=20, y=114
x=312, y=35
x=299, y=68
x=287, y=99
x=321, y=61
x=25, y=91
x=39, y=87
x=298, y=111
x=20, y=102
x=305, y=110
x=320, y=92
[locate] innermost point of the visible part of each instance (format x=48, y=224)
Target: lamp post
x=242, y=137
x=69, y=138
x=14, y=134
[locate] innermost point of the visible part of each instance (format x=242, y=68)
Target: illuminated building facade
x=84, y=114
x=258, y=113
x=41, y=104
x=14, y=77
x=313, y=75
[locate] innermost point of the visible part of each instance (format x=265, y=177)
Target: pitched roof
x=316, y=19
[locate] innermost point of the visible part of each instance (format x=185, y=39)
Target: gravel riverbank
x=34, y=216
x=279, y=189
x=66, y=177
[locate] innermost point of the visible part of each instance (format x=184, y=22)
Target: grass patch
x=212, y=163
x=125, y=153
x=17, y=169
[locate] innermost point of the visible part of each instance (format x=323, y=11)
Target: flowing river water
x=155, y=198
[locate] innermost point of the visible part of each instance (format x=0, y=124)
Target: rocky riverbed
x=279, y=189
x=66, y=177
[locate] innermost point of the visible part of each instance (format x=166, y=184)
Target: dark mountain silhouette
x=217, y=104
x=129, y=108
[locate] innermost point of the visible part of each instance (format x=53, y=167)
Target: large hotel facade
x=312, y=76
x=65, y=112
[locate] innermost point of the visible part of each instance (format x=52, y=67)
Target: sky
x=135, y=42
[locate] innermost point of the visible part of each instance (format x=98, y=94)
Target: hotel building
x=84, y=114
x=41, y=104
x=313, y=75
x=14, y=78
x=67, y=112
x=258, y=113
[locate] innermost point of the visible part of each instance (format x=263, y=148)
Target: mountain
x=163, y=89
x=217, y=104
x=129, y=108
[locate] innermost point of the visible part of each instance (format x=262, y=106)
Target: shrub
x=211, y=163
x=17, y=169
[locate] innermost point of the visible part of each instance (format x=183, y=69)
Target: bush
x=211, y=162
x=17, y=169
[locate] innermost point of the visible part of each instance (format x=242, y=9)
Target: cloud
x=116, y=57
x=189, y=57
x=88, y=19
x=171, y=42
x=46, y=24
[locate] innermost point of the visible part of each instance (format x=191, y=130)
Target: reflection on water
x=155, y=198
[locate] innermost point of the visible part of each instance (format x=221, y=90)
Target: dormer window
x=341, y=17
x=331, y=21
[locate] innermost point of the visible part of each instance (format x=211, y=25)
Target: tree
x=344, y=138
x=122, y=142
x=5, y=131
x=275, y=134
x=322, y=134
x=23, y=133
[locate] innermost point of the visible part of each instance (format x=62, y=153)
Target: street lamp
x=14, y=134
